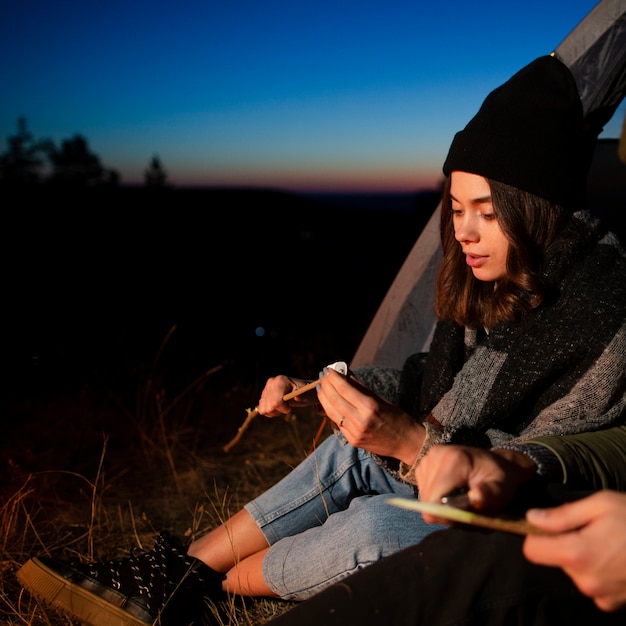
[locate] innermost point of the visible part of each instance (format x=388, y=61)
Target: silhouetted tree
x=75, y=166
x=24, y=159
x=155, y=175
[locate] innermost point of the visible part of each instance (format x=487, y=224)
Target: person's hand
x=491, y=476
x=271, y=403
x=590, y=545
x=367, y=420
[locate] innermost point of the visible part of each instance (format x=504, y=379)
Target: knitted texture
x=385, y=381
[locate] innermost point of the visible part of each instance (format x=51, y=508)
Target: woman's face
x=476, y=227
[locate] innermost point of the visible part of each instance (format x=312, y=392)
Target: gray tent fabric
x=405, y=321
x=595, y=52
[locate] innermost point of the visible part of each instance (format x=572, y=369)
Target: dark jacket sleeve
x=592, y=460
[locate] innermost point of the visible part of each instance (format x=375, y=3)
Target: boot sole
x=66, y=596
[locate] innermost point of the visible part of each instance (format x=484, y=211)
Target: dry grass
x=87, y=476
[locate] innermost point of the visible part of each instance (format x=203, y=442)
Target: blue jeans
x=329, y=518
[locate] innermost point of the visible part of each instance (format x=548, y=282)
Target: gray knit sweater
x=560, y=370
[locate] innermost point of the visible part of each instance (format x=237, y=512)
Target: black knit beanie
x=528, y=134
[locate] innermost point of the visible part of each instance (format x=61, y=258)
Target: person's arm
x=580, y=547
x=589, y=544
x=591, y=460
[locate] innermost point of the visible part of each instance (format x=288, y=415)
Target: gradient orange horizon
x=344, y=180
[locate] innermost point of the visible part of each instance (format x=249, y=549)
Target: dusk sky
x=325, y=95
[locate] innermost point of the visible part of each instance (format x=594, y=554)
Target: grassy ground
x=89, y=473
x=92, y=465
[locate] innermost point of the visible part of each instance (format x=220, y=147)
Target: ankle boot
x=162, y=586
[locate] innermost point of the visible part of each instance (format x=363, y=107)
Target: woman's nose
x=465, y=229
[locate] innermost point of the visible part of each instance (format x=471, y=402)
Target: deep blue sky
x=320, y=95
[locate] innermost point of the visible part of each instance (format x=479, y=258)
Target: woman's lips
x=475, y=261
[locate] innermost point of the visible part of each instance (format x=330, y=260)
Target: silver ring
x=341, y=422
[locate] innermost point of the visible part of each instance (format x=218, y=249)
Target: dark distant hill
x=96, y=279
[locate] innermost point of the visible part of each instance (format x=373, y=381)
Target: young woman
x=530, y=341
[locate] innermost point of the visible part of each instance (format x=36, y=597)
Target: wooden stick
x=252, y=413
x=300, y=390
x=518, y=525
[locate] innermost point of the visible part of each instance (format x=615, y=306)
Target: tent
x=595, y=52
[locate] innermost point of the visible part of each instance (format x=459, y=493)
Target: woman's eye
x=489, y=216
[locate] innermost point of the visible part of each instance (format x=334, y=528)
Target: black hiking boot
x=164, y=586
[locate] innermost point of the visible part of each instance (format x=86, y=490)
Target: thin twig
x=252, y=413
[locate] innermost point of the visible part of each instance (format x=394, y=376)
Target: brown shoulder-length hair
x=530, y=224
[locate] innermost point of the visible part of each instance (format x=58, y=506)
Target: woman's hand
x=367, y=420
x=491, y=476
x=590, y=545
x=272, y=404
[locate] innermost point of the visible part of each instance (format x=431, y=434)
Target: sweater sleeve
x=595, y=460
